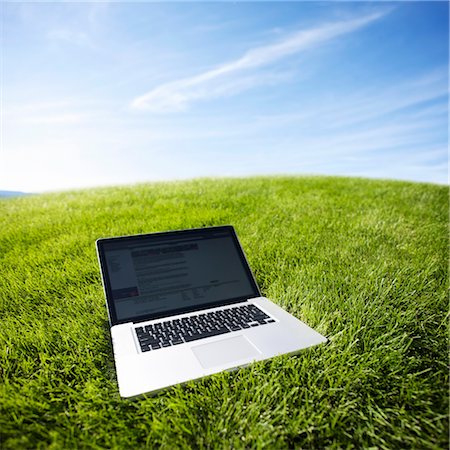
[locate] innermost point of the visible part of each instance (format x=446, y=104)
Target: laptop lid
x=156, y=275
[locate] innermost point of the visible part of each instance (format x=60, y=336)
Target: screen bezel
x=112, y=315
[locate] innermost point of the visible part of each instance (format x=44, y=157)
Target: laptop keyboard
x=203, y=325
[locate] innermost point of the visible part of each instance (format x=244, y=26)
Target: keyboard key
x=204, y=325
x=195, y=337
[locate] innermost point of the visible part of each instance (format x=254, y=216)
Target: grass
x=364, y=262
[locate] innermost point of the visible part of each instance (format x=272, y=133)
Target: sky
x=112, y=93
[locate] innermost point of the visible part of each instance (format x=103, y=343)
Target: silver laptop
x=184, y=304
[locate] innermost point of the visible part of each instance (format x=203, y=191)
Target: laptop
x=184, y=304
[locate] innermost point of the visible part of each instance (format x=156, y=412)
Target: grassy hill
x=364, y=262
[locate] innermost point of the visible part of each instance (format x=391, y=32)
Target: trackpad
x=224, y=351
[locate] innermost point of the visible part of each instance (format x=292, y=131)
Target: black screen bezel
x=100, y=244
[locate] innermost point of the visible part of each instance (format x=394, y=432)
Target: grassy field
x=364, y=262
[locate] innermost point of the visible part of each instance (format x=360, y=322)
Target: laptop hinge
x=194, y=310
x=126, y=324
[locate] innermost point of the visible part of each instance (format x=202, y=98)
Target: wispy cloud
x=408, y=98
x=391, y=130
x=54, y=113
x=75, y=37
x=231, y=77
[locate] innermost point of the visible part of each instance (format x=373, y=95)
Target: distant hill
x=8, y=194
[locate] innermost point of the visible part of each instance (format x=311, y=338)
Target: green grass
x=364, y=262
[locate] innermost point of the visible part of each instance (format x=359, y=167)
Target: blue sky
x=116, y=93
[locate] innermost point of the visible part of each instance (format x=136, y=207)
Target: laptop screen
x=161, y=274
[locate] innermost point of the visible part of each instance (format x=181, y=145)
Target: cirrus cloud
x=232, y=77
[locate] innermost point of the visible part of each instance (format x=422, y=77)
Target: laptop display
x=161, y=274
